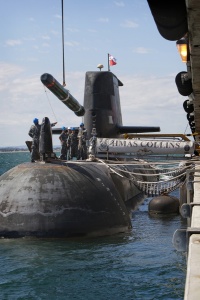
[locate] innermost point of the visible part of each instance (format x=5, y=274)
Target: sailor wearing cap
x=63, y=140
x=73, y=144
x=34, y=132
x=82, y=148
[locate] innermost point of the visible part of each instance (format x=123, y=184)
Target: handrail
x=156, y=135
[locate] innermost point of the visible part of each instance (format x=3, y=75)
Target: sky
x=31, y=45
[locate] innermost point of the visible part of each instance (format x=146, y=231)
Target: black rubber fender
x=188, y=107
x=170, y=18
x=190, y=118
x=164, y=204
x=184, y=88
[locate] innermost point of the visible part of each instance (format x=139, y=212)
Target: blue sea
x=142, y=264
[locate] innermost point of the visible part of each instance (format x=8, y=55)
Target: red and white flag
x=112, y=60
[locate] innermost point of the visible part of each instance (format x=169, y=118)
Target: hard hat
x=72, y=128
x=63, y=128
x=35, y=121
x=69, y=128
x=81, y=124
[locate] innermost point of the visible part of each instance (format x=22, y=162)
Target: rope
x=161, y=187
x=186, y=128
x=50, y=103
x=162, y=181
x=109, y=167
x=161, y=173
x=151, y=188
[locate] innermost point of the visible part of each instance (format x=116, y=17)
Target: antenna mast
x=63, y=54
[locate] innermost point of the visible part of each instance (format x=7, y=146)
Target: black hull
x=60, y=200
x=65, y=199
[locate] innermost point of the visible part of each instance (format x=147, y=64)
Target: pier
x=191, y=210
x=179, y=21
x=188, y=239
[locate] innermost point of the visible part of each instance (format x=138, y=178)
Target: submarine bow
x=60, y=200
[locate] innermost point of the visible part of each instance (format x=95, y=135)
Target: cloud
x=45, y=37
x=58, y=16
x=129, y=24
x=120, y=4
x=45, y=45
x=103, y=20
x=152, y=101
x=92, y=30
x=141, y=50
x=29, y=39
x=152, y=92
x=13, y=43
x=7, y=72
x=72, y=44
x=24, y=98
x=32, y=59
x=54, y=32
x=72, y=29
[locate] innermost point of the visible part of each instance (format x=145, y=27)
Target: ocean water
x=141, y=264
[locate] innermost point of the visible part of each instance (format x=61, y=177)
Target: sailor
x=63, y=139
x=82, y=148
x=72, y=143
x=34, y=133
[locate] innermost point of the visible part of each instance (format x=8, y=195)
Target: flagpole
x=108, y=63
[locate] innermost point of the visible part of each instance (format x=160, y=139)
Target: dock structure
x=188, y=14
x=192, y=285
x=188, y=239
x=179, y=21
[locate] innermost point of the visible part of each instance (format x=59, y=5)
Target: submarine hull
x=61, y=200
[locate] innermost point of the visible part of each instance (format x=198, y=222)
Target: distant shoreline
x=21, y=149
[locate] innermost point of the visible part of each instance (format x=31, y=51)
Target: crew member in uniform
x=34, y=133
x=82, y=148
x=72, y=143
x=63, y=139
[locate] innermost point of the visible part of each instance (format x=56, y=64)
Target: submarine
x=70, y=198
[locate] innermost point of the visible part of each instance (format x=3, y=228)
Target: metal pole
x=108, y=63
x=64, y=84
